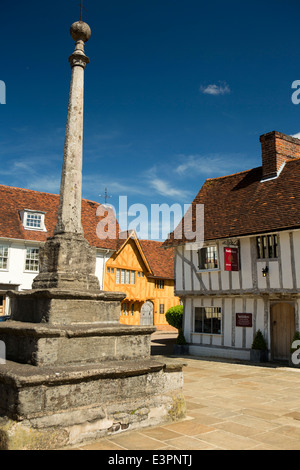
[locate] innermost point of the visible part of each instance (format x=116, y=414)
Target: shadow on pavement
x=162, y=346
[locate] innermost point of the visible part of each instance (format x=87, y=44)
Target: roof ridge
x=42, y=192
x=233, y=174
x=27, y=190
x=290, y=160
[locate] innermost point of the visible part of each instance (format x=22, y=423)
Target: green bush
x=174, y=317
x=259, y=341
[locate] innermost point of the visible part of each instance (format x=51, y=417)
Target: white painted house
x=247, y=274
x=27, y=219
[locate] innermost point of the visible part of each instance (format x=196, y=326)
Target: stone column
x=69, y=214
x=67, y=261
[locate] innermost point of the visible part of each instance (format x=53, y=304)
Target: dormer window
x=33, y=220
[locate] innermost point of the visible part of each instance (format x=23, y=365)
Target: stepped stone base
x=57, y=306
x=73, y=373
x=48, y=345
x=51, y=408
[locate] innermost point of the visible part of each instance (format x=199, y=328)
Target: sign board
x=231, y=256
x=244, y=319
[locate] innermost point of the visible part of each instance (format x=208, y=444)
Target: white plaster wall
x=16, y=274
x=101, y=258
x=178, y=268
x=286, y=260
x=245, y=257
x=296, y=239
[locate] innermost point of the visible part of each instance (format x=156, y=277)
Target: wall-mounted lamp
x=265, y=271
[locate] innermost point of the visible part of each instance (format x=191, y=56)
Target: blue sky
x=177, y=91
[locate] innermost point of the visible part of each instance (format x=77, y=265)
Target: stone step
x=51, y=407
x=62, y=307
x=44, y=344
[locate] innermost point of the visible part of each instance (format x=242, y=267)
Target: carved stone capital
x=78, y=59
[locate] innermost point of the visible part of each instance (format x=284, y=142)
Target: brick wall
x=277, y=148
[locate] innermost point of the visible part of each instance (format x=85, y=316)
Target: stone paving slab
x=230, y=406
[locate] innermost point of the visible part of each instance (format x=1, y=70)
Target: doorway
x=147, y=313
x=282, y=330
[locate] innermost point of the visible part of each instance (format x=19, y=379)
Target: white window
x=32, y=259
x=125, y=276
x=208, y=257
x=33, y=220
x=3, y=257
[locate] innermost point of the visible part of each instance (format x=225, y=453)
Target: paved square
x=231, y=406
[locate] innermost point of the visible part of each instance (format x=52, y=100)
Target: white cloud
x=165, y=189
x=209, y=165
x=213, y=89
x=297, y=136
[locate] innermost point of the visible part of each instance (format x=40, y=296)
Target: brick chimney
x=277, y=148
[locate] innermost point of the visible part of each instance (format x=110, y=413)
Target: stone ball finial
x=80, y=31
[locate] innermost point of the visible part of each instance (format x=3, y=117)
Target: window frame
x=267, y=246
x=217, y=311
x=159, y=283
x=32, y=213
x=36, y=260
x=125, y=277
x=202, y=262
x=6, y=268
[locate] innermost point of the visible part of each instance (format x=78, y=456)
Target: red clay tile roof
x=13, y=200
x=241, y=204
x=160, y=261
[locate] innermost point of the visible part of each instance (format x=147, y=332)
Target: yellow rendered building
x=145, y=272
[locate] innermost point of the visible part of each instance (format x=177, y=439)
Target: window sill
x=35, y=229
x=207, y=334
x=264, y=260
x=212, y=270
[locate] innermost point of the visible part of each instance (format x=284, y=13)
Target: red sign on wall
x=244, y=319
x=231, y=256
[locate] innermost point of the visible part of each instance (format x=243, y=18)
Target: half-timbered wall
x=243, y=291
x=142, y=290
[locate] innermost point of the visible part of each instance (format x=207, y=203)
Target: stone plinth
x=49, y=345
x=62, y=307
x=49, y=408
x=67, y=261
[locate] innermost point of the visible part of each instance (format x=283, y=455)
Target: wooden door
x=2, y=305
x=282, y=330
x=147, y=313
